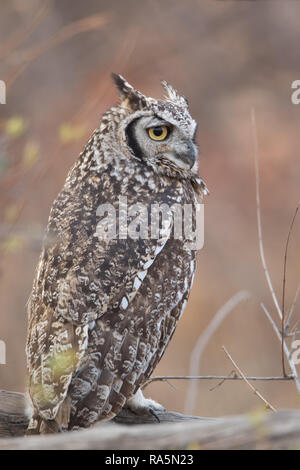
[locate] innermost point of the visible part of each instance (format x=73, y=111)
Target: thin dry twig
x=283, y=288
x=256, y=392
x=258, y=214
x=294, y=328
x=292, y=333
x=202, y=342
x=286, y=351
x=164, y=378
x=291, y=310
x=219, y=384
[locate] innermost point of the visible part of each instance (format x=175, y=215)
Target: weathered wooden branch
x=13, y=420
x=263, y=430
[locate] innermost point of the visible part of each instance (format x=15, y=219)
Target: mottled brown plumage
x=103, y=310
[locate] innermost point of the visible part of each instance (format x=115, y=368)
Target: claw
x=140, y=405
x=153, y=413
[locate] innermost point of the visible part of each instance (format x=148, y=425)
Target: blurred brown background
x=226, y=57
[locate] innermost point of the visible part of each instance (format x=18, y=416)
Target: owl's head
x=161, y=133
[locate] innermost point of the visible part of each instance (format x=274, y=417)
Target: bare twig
x=202, y=342
x=285, y=348
x=294, y=328
x=283, y=288
x=291, y=310
x=258, y=213
x=223, y=378
x=219, y=384
x=292, y=333
x=165, y=378
x=256, y=392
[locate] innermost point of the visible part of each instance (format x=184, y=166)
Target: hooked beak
x=188, y=158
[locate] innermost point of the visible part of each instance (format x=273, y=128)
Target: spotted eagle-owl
x=103, y=309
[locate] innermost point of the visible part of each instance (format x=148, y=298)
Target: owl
x=110, y=286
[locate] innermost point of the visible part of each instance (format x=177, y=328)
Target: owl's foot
x=140, y=405
x=41, y=426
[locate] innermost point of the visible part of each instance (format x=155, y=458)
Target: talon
x=153, y=413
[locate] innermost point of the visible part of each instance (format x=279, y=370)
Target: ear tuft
x=130, y=97
x=173, y=95
x=123, y=87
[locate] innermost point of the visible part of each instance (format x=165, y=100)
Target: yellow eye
x=158, y=133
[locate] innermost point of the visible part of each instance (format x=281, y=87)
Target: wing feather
x=79, y=278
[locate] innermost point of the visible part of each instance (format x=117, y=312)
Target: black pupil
x=157, y=131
